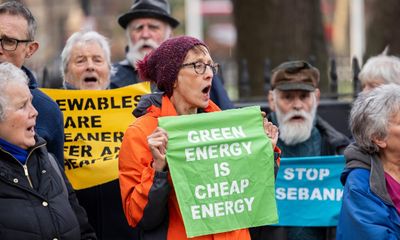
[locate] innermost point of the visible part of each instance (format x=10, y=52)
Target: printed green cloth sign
x=222, y=168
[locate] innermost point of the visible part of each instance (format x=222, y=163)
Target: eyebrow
x=201, y=59
x=23, y=100
x=5, y=36
x=138, y=25
x=95, y=55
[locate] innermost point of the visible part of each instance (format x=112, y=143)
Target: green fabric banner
x=222, y=168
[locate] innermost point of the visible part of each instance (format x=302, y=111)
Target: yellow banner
x=94, y=124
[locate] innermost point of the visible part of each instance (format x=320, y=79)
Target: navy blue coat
x=49, y=123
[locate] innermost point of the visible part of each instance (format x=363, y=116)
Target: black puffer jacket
x=33, y=202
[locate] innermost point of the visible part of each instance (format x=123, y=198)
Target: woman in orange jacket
x=183, y=69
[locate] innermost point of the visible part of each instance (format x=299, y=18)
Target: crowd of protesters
x=40, y=203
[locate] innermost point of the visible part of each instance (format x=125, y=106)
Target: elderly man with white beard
x=147, y=24
x=293, y=100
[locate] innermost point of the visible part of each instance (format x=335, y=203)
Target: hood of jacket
x=357, y=158
x=146, y=101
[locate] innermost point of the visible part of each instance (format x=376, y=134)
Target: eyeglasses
x=200, y=67
x=10, y=44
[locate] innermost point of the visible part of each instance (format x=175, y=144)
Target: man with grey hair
x=86, y=65
x=378, y=70
x=293, y=101
x=17, y=32
x=147, y=24
x=86, y=61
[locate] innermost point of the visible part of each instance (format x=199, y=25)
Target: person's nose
x=208, y=74
x=297, y=103
x=145, y=33
x=90, y=65
x=33, y=112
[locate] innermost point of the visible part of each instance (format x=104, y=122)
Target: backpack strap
x=57, y=168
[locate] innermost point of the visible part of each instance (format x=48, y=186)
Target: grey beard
x=292, y=133
x=134, y=54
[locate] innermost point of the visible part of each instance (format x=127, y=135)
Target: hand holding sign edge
x=270, y=130
x=157, y=142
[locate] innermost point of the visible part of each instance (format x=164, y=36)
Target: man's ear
x=170, y=31
x=271, y=101
x=317, y=93
x=32, y=48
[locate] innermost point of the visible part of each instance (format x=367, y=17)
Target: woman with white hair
x=378, y=70
x=36, y=199
x=371, y=178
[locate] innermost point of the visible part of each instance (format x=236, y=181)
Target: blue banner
x=308, y=191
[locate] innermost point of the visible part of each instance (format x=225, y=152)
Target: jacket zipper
x=27, y=174
x=24, y=166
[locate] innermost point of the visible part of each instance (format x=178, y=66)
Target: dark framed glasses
x=200, y=67
x=10, y=44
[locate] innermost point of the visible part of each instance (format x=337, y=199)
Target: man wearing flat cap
x=293, y=100
x=147, y=24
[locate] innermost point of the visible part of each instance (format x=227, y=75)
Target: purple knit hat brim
x=163, y=64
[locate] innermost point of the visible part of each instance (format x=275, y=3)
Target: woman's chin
x=203, y=103
x=29, y=143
